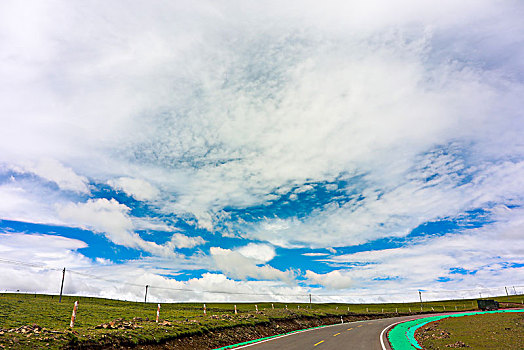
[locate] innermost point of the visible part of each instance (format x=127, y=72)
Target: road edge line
x=391, y=325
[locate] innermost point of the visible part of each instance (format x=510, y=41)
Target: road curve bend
x=365, y=335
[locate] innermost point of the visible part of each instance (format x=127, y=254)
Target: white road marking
x=284, y=335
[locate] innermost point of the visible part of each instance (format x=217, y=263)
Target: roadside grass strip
x=268, y=338
x=402, y=336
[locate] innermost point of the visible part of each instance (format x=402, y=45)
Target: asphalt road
x=363, y=335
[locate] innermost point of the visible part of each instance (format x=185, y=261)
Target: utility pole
x=420, y=296
x=309, y=301
x=145, y=297
x=506, y=288
x=62, y=285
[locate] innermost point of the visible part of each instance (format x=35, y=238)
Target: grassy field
x=17, y=310
x=490, y=331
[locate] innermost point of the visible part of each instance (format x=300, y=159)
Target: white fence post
x=73, y=316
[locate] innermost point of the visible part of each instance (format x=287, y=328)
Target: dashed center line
x=360, y=325
x=336, y=334
x=320, y=342
x=350, y=329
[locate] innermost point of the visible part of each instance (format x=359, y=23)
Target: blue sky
x=355, y=151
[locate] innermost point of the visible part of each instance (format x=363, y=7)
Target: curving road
x=365, y=335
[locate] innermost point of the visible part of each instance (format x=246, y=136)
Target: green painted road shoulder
x=402, y=336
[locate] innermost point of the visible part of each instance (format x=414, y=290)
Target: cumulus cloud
x=262, y=253
x=137, y=188
x=179, y=240
x=102, y=215
x=237, y=265
x=112, y=219
x=51, y=253
x=52, y=170
x=333, y=280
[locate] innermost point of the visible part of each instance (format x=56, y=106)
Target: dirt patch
x=430, y=331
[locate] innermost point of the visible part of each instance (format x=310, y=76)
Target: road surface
x=363, y=335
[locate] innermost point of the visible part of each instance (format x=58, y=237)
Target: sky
x=248, y=150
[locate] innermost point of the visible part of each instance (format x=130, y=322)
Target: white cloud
x=227, y=106
x=120, y=281
x=140, y=189
x=52, y=253
x=396, y=209
x=103, y=261
x=236, y=265
x=179, y=240
x=262, y=253
x=52, y=170
x=317, y=104
x=102, y=215
x=333, y=280
x=112, y=219
x=492, y=256
x=305, y=188
x=151, y=223
x=315, y=254
x=23, y=202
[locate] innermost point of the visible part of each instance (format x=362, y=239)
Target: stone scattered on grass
x=458, y=344
x=119, y=323
x=27, y=329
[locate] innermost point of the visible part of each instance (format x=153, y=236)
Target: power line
x=30, y=264
x=226, y=292
x=14, y=262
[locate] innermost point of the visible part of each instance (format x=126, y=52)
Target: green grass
x=187, y=318
x=489, y=331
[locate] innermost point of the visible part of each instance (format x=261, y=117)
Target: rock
x=458, y=344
